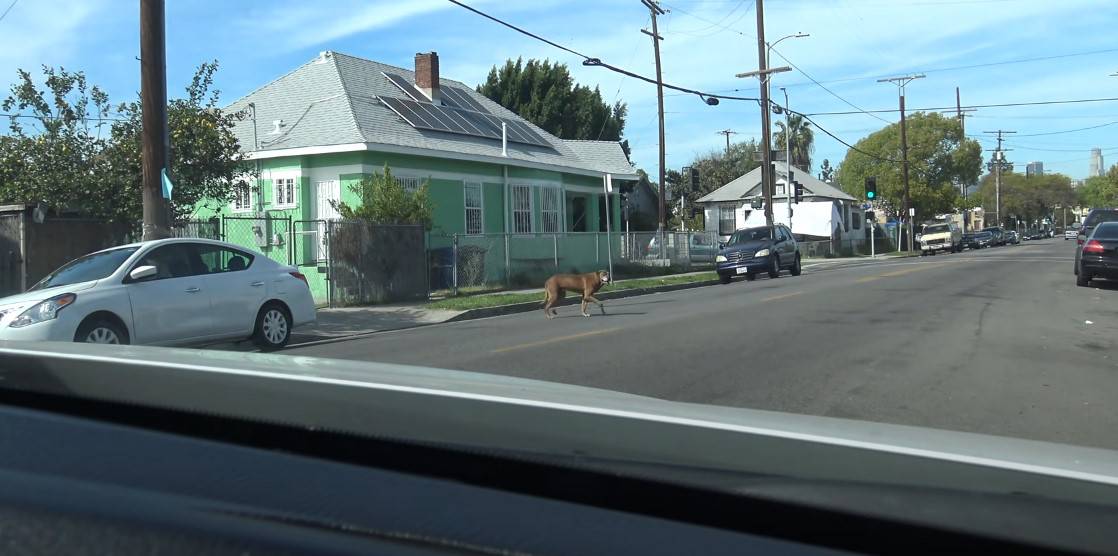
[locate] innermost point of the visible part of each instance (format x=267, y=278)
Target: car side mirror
x=721, y=245
x=142, y=273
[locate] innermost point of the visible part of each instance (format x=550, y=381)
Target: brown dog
x=588, y=283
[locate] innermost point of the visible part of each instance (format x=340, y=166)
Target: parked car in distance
x=1094, y=218
x=1071, y=233
x=980, y=240
x=702, y=247
x=750, y=251
x=998, y=235
x=968, y=238
x=1011, y=238
x=163, y=292
x=1100, y=254
x=942, y=236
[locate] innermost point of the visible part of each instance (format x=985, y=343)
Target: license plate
x=741, y=270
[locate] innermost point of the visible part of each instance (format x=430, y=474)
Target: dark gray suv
x=1094, y=218
x=751, y=251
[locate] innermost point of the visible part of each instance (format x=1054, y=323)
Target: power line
x=1001, y=105
x=834, y=94
x=10, y=6
x=1066, y=130
x=591, y=61
x=699, y=32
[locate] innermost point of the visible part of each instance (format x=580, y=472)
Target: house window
x=242, y=197
x=727, y=218
x=522, y=209
x=284, y=189
x=473, y=208
x=409, y=183
x=779, y=190
x=549, y=209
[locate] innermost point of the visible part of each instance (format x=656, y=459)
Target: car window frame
x=194, y=262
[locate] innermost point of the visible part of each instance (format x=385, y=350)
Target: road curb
x=512, y=308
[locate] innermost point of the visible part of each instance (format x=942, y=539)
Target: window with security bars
x=242, y=198
x=473, y=208
x=522, y=209
x=727, y=219
x=409, y=183
x=284, y=192
x=549, y=209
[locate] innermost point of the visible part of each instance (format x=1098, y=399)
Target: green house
x=337, y=119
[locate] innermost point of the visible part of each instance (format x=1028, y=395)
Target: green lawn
x=462, y=303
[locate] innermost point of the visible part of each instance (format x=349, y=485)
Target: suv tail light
x=1093, y=246
x=300, y=276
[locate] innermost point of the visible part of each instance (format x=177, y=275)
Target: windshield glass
x=90, y=267
x=1108, y=230
x=1102, y=216
x=750, y=234
x=936, y=229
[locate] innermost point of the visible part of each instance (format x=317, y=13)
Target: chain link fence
x=483, y=262
x=829, y=249
x=375, y=263
x=271, y=235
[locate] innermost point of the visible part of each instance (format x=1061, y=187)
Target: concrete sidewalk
x=350, y=321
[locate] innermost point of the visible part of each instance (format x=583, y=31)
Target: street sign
x=609, y=183
x=912, y=211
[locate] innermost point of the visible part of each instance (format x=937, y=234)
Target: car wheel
x=1082, y=279
x=774, y=267
x=273, y=327
x=796, y=268
x=725, y=278
x=101, y=331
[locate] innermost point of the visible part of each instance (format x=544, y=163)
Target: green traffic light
x=871, y=194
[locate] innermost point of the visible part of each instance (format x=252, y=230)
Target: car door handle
x=192, y=289
x=257, y=284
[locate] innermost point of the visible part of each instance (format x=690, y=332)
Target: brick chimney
x=427, y=74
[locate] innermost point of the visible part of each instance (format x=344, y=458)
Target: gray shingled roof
x=332, y=101
x=749, y=185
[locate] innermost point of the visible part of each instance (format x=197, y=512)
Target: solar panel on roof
x=424, y=115
x=461, y=99
x=406, y=87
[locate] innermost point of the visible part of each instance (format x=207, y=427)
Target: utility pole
x=153, y=135
x=655, y=10
x=961, y=114
x=766, y=153
x=787, y=157
x=900, y=82
x=727, y=133
x=999, y=159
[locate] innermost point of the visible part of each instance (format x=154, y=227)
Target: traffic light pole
x=787, y=157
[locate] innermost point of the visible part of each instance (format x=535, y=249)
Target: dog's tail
x=546, y=297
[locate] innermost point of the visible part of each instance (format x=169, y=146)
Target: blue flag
x=167, y=185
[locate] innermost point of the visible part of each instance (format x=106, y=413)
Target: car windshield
x=586, y=195
x=750, y=234
x=83, y=269
x=1106, y=230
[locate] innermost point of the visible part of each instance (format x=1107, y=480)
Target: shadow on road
x=1111, y=285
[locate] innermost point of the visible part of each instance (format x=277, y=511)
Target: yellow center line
x=775, y=297
x=556, y=340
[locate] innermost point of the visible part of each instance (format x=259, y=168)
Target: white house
x=826, y=213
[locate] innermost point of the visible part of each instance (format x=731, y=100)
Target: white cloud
x=301, y=24
x=37, y=33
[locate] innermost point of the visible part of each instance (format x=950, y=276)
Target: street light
x=770, y=45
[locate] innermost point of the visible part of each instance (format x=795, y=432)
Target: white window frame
x=722, y=209
x=293, y=182
x=480, y=208
x=554, y=212
x=530, y=210
x=233, y=204
x=411, y=184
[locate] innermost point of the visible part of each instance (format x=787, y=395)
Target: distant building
x=1096, y=163
x=1035, y=168
x=1076, y=184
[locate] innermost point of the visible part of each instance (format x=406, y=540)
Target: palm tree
x=803, y=141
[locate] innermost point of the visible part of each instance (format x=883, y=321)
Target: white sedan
x=163, y=292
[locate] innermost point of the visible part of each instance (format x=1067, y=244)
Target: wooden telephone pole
x=153, y=99
x=655, y=10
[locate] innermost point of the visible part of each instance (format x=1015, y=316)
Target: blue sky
x=852, y=43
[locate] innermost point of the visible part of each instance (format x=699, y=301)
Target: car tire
x=101, y=331
x=1082, y=279
x=725, y=278
x=774, y=267
x=273, y=327
x=796, y=268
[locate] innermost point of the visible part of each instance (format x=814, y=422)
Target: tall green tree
x=70, y=151
x=1100, y=191
x=717, y=168
x=1024, y=197
x=384, y=201
x=939, y=158
x=803, y=140
x=545, y=94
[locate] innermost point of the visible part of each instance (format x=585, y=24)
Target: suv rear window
x=1098, y=216
x=1107, y=231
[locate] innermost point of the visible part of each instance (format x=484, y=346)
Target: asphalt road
x=998, y=341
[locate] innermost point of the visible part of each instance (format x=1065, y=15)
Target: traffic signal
x=799, y=191
x=869, y=216
x=871, y=189
x=694, y=178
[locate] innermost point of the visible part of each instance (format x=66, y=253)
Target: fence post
x=508, y=263
x=454, y=265
x=555, y=250
x=328, y=229
x=597, y=255
x=290, y=241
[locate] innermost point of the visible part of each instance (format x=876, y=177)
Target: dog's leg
x=601, y=306
x=585, y=313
